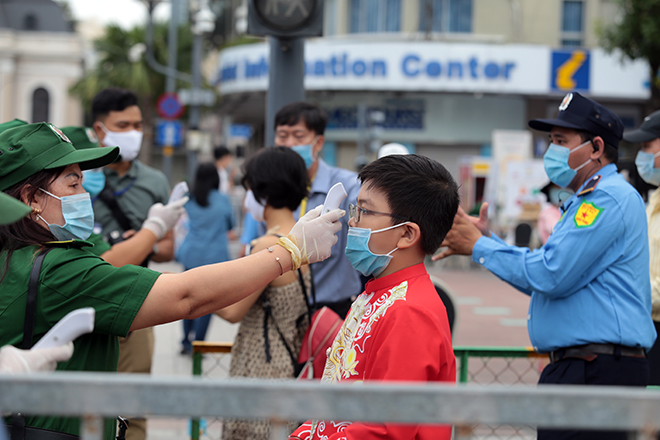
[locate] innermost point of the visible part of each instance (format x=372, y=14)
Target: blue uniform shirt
x=590, y=282
x=334, y=279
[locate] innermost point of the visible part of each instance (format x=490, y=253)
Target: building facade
x=40, y=59
x=440, y=76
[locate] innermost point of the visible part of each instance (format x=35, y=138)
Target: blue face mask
x=358, y=252
x=93, y=181
x=78, y=217
x=645, y=163
x=555, y=162
x=306, y=152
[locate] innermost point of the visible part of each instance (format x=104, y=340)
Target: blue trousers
x=604, y=370
x=197, y=327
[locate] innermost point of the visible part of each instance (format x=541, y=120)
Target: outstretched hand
x=480, y=222
x=462, y=236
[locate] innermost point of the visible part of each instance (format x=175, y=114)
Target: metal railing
x=93, y=396
x=479, y=365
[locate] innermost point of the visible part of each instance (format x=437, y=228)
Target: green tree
x=118, y=67
x=637, y=35
x=122, y=63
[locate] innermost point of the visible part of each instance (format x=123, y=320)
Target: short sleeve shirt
x=71, y=278
x=135, y=192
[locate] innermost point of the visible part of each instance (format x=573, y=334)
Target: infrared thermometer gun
x=336, y=194
x=74, y=324
x=179, y=190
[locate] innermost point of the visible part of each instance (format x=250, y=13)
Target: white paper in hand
x=74, y=324
x=179, y=190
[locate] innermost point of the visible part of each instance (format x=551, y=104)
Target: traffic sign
x=196, y=97
x=169, y=133
x=168, y=106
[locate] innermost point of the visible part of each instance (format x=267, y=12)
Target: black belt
x=30, y=433
x=590, y=352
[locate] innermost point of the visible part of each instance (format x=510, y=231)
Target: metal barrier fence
x=478, y=365
x=95, y=395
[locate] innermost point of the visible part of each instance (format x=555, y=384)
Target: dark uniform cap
x=649, y=130
x=12, y=210
x=580, y=113
x=28, y=149
x=11, y=124
x=82, y=137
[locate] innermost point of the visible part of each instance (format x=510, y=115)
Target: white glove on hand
x=14, y=360
x=314, y=235
x=163, y=218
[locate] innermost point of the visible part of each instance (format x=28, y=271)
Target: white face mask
x=129, y=142
x=253, y=206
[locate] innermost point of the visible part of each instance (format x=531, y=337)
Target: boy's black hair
x=418, y=189
x=312, y=116
x=206, y=180
x=112, y=100
x=220, y=152
x=278, y=176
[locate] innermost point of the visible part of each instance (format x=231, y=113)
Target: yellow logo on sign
x=565, y=72
x=587, y=214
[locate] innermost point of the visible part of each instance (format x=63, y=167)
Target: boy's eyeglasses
x=355, y=212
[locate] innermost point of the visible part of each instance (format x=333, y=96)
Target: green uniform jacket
x=72, y=277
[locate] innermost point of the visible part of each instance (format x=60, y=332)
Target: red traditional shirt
x=396, y=330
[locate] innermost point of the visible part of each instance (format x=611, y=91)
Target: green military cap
x=82, y=137
x=11, y=124
x=12, y=210
x=28, y=149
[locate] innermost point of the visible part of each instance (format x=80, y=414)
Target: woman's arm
x=205, y=289
x=132, y=250
x=237, y=311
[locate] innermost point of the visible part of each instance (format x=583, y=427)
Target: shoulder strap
x=306, y=298
x=108, y=197
x=313, y=303
x=31, y=305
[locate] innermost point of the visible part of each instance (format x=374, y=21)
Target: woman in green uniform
x=40, y=167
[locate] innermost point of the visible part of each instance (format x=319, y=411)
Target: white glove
x=163, y=218
x=313, y=236
x=14, y=360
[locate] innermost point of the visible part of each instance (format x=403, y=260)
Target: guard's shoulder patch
x=587, y=214
x=589, y=187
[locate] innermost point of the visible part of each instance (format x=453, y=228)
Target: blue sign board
x=570, y=70
x=169, y=133
x=240, y=131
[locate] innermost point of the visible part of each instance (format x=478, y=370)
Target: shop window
x=40, y=105
x=572, y=23
x=445, y=15
x=375, y=16
x=30, y=23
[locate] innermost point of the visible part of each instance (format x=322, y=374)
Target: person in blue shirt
x=590, y=306
x=301, y=126
x=211, y=219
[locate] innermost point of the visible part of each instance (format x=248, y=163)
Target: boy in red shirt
x=397, y=329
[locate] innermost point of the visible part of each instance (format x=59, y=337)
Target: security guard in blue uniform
x=590, y=307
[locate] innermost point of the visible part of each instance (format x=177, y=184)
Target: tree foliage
x=637, y=35
x=118, y=67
